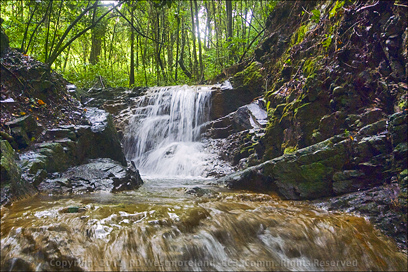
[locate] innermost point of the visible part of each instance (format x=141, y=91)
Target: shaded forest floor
x=29, y=87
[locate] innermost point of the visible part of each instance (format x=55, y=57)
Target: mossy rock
x=250, y=78
x=57, y=158
x=10, y=172
x=12, y=185
x=315, y=172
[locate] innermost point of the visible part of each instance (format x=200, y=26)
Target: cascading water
x=162, y=137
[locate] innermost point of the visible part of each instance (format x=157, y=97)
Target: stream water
x=178, y=221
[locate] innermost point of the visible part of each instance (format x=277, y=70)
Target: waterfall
x=163, y=135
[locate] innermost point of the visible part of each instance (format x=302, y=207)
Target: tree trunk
x=48, y=32
x=97, y=33
x=28, y=25
x=181, y=60
x=201, y=78
x=195, y=70
x=228, y=4
x=178, y=40
x=132, y=53
x=208, y=25
x=66, y=59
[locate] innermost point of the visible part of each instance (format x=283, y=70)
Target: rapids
x=171, y=225
x=177, y=220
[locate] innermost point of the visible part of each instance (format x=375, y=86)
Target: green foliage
x=39, y=26
x=309, y=67
x=290, y=149
x=316, y=16
x=333, y=12
x=327, y=41
x=299, y=35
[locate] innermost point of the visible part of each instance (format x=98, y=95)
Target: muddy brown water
x=160, y=227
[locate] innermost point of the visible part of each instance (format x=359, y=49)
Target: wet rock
x=380, y=204
x=197, y=191
x=72, y=145
x=320, y=170
x=99, y=174
x=10, y=172
x=23, y=129
x=12, y=186
x=102, y=141
x=252, y=116
x=130, y=181
x=59, y=133
x=20, y=137
x=247, y=85
x=398, y=128
x=373, y=128
x=348, y=181
x=249, y=179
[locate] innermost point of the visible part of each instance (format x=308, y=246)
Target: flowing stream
x=178, y=221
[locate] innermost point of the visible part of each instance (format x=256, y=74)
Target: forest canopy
x=136, y=43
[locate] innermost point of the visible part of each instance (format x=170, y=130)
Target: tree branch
x=57, y=53
x=137, y=30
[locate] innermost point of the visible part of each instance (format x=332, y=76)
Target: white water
x=163, y=135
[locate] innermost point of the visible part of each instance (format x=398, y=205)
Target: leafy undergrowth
x=29, y=87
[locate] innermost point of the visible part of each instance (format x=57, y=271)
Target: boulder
x=332, y=167
x=24, y=130
x=71, y=145
x=97, y=175
x=252, y=116
x=102, y=140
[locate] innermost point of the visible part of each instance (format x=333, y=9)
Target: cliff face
x=331, y=73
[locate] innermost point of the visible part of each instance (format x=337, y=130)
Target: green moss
x=299, y=35
x=312, y=189
x=337, y=7
x=300, y=107
x=290, y=149
x=314, y=172
x=10, y=172
x=251, y=74
x=309, y=67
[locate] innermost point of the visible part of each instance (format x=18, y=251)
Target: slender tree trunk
x=56, y=28
x=201, y=78
x=28, y=25
x=132, y=53
x=181, y=60
x=48, y=32
x=228, y=4
x=137, y=51
x=66, y=60
x=157, y=53
x=178, y=40
x=195, y=70
x=144, y=57
x=33, y=34
x=98, y=32
x=207, y=8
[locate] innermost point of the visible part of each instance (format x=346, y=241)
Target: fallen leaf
x=22, y=113
x=40, y=102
